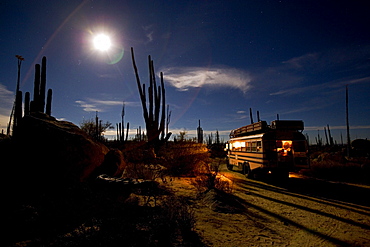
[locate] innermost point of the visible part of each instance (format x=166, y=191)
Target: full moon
x=102, y=42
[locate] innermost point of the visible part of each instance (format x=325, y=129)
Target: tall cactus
x=27, y=103
x=331, y=141
x=127, y=129
x=42, y=85
x=36, y=90
x=39, y=89
x=121, y=127
x=48, y=102
x=157, y=102
x=17, y=111
x=199, y=133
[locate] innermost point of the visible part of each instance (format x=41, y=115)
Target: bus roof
x=247, y=137
x=262, y=127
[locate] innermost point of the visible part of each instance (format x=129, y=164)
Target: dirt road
x=299, y=212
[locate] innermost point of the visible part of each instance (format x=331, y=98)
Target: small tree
x=181, y=137
x=95, y=128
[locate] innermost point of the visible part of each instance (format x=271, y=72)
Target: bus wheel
x=247, y=170
x=229, y=167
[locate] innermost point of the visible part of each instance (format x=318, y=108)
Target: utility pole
x=20, y=59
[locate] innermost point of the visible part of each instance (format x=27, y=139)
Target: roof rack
x=249, y=129
x=261, y=126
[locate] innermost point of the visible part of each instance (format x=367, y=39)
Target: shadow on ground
x=338, y=195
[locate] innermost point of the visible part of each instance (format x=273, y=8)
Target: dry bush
x=336, y=166
x=209, y=177
x=177, y=213
x=145, y=171
x=184, y=158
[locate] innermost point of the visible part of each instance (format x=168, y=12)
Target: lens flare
x=102, y=42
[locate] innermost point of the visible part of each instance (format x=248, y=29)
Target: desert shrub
x=184, y=158
x=145, y=171
x=209, y=177
x=137, y=151
x=175, y=217
x=336, y=166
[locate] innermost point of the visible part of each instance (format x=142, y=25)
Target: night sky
x=219, y=58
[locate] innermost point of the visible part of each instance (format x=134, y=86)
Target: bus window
x=254, y=146
x=226, y=147
x=259, y=146
x=237, y=146
x=284, y=147
x=243, y=148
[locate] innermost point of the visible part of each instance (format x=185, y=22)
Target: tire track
x=313, y=221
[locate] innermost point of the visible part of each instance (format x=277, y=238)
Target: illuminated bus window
x=254, y=147
x=237, y=146
x=243, y=146
x=259, y=146
x=284, y=147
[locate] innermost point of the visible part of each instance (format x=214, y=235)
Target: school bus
x=258, y=149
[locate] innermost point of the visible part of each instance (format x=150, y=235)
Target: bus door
x=284, y=150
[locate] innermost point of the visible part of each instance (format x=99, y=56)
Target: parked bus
x=278, y=148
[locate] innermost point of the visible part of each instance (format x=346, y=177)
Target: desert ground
x=299, y=212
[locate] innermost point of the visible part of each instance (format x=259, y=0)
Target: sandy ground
x=298, y=212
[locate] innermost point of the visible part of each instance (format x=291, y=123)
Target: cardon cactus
x=27, y=103
x=36, y=90
x=157, y=101
x=39, y=89
x=48, y=102
x=42, y=85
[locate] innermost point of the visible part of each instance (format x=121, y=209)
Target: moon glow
x=102, y=42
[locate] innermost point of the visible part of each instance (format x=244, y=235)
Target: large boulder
x=59, y=151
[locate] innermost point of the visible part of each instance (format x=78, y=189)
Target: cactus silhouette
x=39, y=89
x=157, y=103
x=48, y=102
x=27, y=103
x=42, y=85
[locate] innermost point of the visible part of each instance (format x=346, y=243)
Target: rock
x=59, y=151
x=113, y=164
x=123, y=187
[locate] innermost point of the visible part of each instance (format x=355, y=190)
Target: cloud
x=106, y=102
x=322, y=87
x=343, y=127
x=91, y=105
x=296, y=75
x=148, y=32
x=184, y=78
x=88, y=107
x=302, y=61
